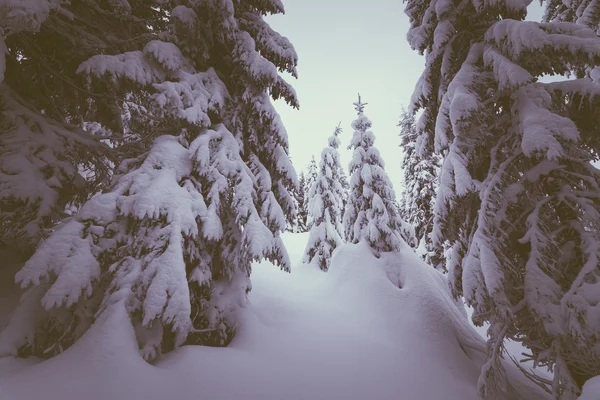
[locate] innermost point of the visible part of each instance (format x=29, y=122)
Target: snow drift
x=368, y=329
x=591, y=389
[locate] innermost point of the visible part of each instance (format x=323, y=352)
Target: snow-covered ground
x=591, y=389
x=368, y=329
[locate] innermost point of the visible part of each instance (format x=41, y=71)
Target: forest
x=159, y=238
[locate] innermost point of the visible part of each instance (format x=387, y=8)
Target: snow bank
x=103, y=364
x=368, y=329
x=591, y=389
x=407, y=304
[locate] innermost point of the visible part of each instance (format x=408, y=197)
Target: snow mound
x=103, y=364
x=591, y=389
x=368, y=329
x=407, y=304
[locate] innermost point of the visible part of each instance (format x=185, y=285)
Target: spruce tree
x=325, y=206
x=52, y=153
x=345, y=188
x=518, y=196
x=418, y=195
x=311, y=178
x=370, y=214
x=173, y=238
x=302, y=202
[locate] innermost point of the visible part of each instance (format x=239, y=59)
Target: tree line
x=143, y=164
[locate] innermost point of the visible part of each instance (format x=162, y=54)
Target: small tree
x=311, y=178
x=346, y=188
x=302, y=203
x=371, y=214
x=325, y=206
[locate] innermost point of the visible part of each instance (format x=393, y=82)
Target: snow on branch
x=191, y=97
x=39, y=168
x=542, y=130
x=132, y=65
x=556, y=43
x=259, y=69
x=19, y=15
x=270, y=43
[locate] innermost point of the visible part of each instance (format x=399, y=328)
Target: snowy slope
x=346, y=334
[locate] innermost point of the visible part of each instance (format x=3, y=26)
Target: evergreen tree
x=292, y=223
x=173, y=238
x=313, y=171
x=418, y=195
x=344, y=183
x=371, y=214
x=325, y=206
x=518, y=197
x=345, y=188
x=407, y=231
x=302, y=202
x=51, y=152
x=311, y=178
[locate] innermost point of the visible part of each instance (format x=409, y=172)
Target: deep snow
x=591, y=389
x=347, y=334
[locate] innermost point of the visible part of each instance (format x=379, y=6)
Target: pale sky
x=345, y=48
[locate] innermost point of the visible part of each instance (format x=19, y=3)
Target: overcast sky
x=346, y=47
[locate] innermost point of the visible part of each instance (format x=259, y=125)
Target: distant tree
x=174, y=237
x=346, y=188
x=311, y=178
x=418, y=195
x=407, y=231
x=371, y=213
x=325, y=206
x=344, y=181
x=302, y=202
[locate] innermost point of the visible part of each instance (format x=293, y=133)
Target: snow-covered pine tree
x=325, y=206
x=371, y=214
x=518, y=197
x=174, y=237
x=346, y=188
x=302, y=203
x=313, y=171
x=292, y=224
x=311, y=178
x=344, y=182
x=47, y=161
x=407, y=231
x=418, y=194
